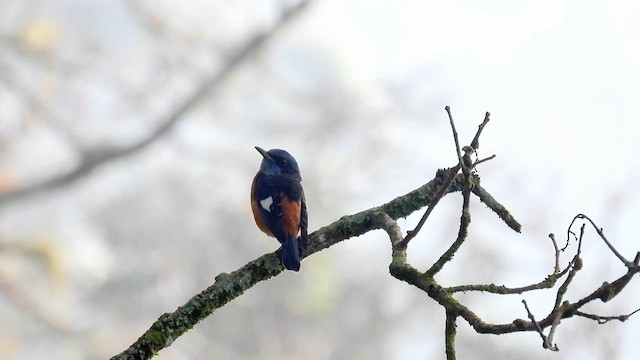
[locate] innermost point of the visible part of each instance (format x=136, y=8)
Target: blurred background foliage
x=132, y=221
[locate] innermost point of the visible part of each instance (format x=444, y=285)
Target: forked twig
x=450, y=175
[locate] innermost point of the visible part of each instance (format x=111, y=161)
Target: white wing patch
x=266, y=203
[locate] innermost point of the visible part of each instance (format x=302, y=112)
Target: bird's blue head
x=278, y=162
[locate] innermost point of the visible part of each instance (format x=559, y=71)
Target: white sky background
x=560, y=78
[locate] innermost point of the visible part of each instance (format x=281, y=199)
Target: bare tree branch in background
x=228, y=286
x=93, y=159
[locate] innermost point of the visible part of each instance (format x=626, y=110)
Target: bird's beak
x=264, y=153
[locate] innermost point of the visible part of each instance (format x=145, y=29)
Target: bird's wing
x=279, y=199
x=304, y=222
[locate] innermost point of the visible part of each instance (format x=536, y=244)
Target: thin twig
x=465, y=220
x=451, y=174
x=600, y=232
x=570, y=233
x=475, y=143
x=533, y=320
x=605, y=319
x=538, y=329
x=547, y=283
x=455, y=139
x=575, y=265
x=552, y=331
x=478, y=162
x=556, y=268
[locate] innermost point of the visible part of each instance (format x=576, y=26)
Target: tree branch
x=605, y=319
x=450, y=333
x=402, y=270
x=229, y=286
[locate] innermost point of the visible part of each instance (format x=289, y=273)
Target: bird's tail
x=290, y=255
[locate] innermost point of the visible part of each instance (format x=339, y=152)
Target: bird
x=278, y=204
